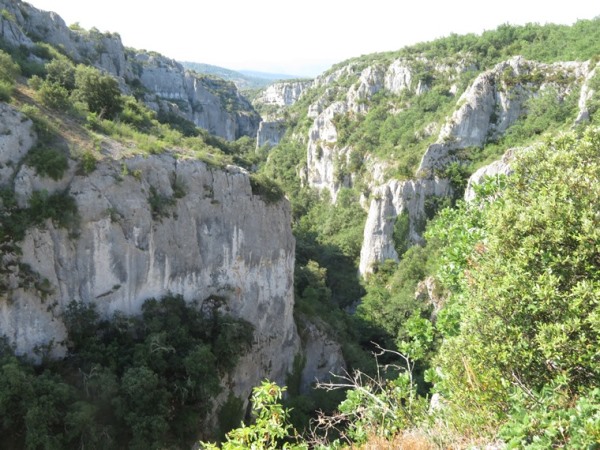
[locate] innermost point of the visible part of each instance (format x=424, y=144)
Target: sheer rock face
x=212, y=104
x=16, y=138
x=389, y=201
x=322, y=355
x=270, y=133
x=138, y=238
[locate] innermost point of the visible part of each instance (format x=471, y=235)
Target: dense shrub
x=525, y=292
x=138, y=382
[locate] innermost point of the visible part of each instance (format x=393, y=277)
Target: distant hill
x=244, y=79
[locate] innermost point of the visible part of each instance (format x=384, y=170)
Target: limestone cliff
x=496, y=100
x=324, y=154
x=149, y=226
x=270, y=133
x=494, y=169
x=491, y=103
x=273, y=102
x=212, y=104
x=283, y=93
x=390, y=201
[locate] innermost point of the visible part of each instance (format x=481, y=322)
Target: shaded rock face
x=212, y=104
x=270, y=133
x=138, y=237
x=322, y=355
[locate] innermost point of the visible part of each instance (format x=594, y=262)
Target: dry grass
x=406, y=441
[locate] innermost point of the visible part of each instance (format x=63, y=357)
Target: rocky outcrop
x=587, y=92
x=270, y=133
x=388, y=202
x=324, y=154
x=495, y=101
x=322, y=355
x=283, y=93
x=492, y=103
x=500, y=167
x=147, y=227
x=210, y=103
x=16, y=138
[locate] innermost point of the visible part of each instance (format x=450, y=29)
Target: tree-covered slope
x=378, y=146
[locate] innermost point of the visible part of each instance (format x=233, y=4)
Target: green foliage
x=593, y=104
x=390, y=294
x=54, y=96
x=14, y=221
x=99, y=91
x=139, y=382
x=266, y=188
x=48, y=162
x=88, y=163
x=230, y=414
x=60, y=207
x=396, y=136
x=46, y=131
x=138, y=115
x=9, y=71
x=270, y=430
x=61, y=71
x=527, y=290
x=160, y=205
x=184, y=126
x=382, y=405
x=551, y=420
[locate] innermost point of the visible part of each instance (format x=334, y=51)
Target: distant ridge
x=244, y=79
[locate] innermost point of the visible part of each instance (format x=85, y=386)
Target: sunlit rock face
x=210, y=103
x=148, y=227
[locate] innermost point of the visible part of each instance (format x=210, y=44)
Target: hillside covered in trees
x=444, y=264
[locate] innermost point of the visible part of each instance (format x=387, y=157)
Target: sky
x=300, y=38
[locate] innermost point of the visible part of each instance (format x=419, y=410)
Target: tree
x=99, y=91
x=270, y=427
x=530, y=290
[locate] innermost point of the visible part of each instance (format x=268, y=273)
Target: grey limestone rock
x=388, y=202
x=138, y=237
x=270, y=133
x=212, y=104
x=283, y=93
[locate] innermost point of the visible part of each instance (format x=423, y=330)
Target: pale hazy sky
x=304, y=37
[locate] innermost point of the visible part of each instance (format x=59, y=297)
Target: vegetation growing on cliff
x=135, y=382
x=511, y=344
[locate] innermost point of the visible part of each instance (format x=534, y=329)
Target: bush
x=270, y=429
x=48, y=162
x=54, y=96
x=266, y=188
x=60, y=207
x=528, y=290
x=99, y=91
